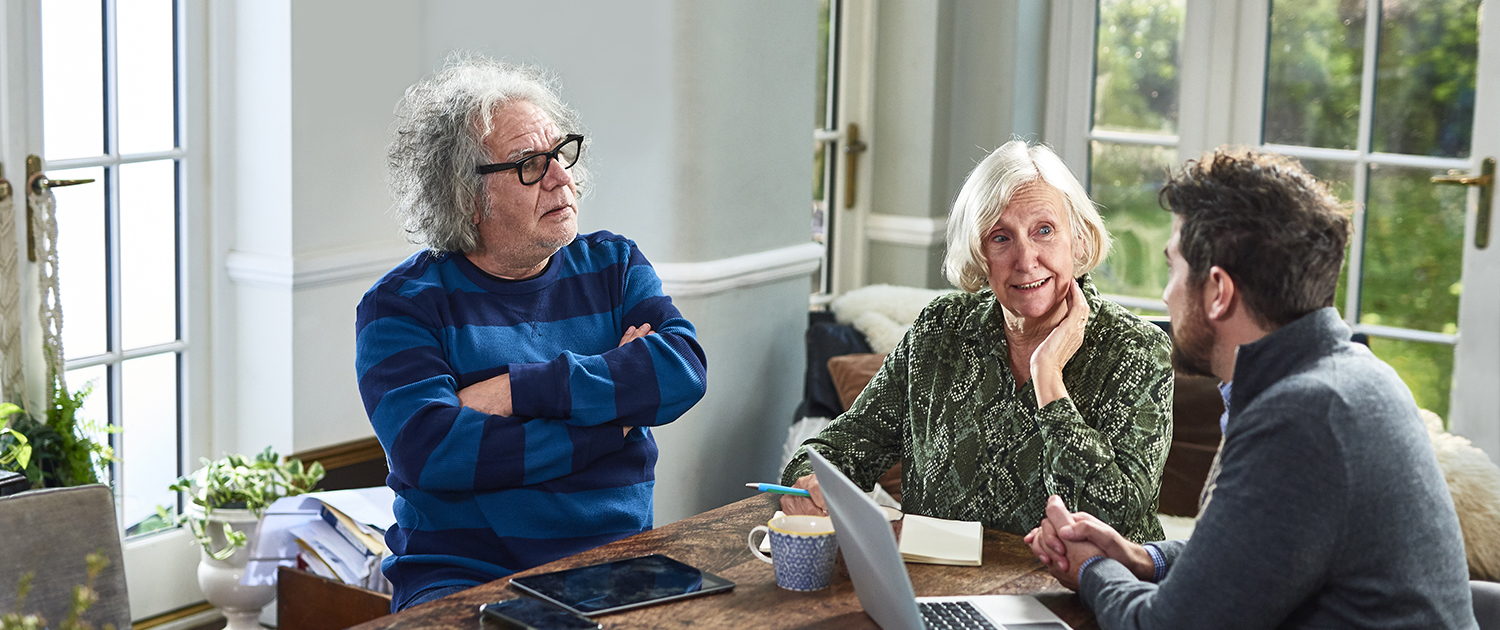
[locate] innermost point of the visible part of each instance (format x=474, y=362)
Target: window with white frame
x=1374, y=97
x=113, y=112
x=1133, y=140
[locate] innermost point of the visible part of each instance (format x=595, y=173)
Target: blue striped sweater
x=479, y=496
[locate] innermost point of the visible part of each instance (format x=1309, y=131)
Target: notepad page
x=940, y=541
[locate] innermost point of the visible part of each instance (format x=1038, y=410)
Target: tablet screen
x=621, y=585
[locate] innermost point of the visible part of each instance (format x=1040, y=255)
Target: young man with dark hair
x=1325, y=507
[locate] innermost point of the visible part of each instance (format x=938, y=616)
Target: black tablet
x=615, y=586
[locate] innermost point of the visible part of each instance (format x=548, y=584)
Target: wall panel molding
x=695, y=279
x=306, y=272
x=699, y=279
x=904, y=230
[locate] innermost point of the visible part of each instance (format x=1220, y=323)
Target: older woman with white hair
x=1025, y=385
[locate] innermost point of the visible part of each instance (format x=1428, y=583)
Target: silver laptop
x=880, y=578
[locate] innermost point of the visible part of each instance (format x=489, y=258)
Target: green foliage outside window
x=1315, y=58
x=1136, y=65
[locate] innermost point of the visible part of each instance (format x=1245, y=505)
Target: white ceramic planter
x=220, y=579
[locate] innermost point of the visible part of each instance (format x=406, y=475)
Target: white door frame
x=1475, y=408
x=856, y=102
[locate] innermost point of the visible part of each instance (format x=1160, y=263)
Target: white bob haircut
x=990, y=188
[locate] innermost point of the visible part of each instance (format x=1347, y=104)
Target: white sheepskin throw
x=1474, y=482
x=882, y=312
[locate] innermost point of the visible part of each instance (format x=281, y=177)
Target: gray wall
x=954, y=79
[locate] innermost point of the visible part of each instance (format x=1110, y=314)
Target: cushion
x=1196, y=407
x=1474, y=482
x=825, y=339
x=851, y=373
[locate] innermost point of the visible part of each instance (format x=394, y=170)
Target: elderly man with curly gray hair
x=512, y=370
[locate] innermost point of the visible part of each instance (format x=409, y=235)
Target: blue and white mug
x=803, y=548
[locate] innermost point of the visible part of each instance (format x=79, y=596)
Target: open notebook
x=940, y=541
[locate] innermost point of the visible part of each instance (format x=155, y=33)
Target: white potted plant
x=228, y=496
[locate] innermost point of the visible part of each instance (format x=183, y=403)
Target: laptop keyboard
x=942, y=615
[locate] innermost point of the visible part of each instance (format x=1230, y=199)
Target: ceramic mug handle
x=755, y=547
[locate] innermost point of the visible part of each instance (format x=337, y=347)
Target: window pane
x=1315, y=58
x=81, y=263
x=1136, y=65
x=1427, y=369
x=1125, y=179
x=1413, y=255
x=1424, y=86
x=148, y=443
x=148, y=253
x=147, y=104
x=1339, y=176
x=93, y=417
x=72, y=78
x=821, y=108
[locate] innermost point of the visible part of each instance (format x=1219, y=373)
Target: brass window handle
x=852, y=148
x=1485, y=180
x=37, y=181
x=5, y=189
x=40, y=182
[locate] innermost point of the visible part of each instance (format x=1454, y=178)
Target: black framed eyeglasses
x=532, y=169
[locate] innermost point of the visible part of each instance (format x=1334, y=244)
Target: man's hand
x=491, y=396
x=1079, y=537
x=1046, y=543
x=1087, y=527
x=807, y=506
x=636, y=332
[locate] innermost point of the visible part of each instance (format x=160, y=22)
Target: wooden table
x=715, y=542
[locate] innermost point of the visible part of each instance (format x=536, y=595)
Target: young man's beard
x=1193, y=342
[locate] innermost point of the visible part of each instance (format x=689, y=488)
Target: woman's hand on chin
x=1061, y=344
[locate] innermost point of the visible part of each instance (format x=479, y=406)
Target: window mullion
x=110, y=11
x=1361, y=166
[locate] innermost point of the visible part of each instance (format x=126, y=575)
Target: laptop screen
x=869, y=547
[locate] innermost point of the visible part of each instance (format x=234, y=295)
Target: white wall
x=698, y=116
x=954, y=79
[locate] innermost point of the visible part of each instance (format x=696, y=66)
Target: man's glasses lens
x=534, y=168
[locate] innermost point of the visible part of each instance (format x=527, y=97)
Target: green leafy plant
x=84, y=596
x=238, y=482
x=58, y=451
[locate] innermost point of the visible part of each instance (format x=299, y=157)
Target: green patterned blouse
x=974, y=447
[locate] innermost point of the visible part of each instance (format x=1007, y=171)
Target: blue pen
x=771, y=487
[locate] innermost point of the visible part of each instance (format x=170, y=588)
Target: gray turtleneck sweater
x=1330, y=509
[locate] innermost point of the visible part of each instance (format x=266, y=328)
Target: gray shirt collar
x=1285, y=351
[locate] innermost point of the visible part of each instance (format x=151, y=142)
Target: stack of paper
x=338, y=535
x=930, y=540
